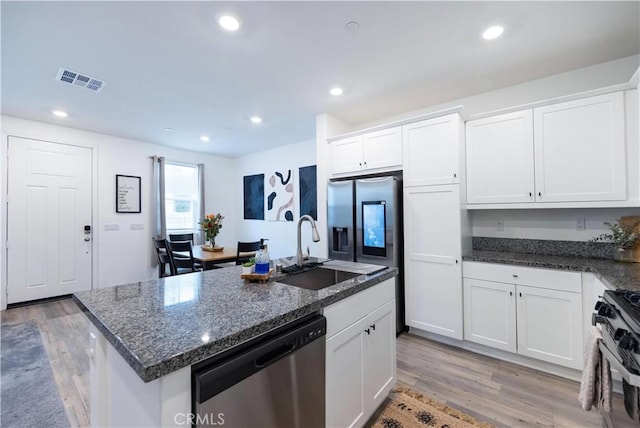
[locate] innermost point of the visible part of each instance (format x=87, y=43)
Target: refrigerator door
x=340, y=220
x=377, y=220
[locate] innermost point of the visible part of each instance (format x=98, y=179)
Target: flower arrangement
x=211, y=225
x=622, y=236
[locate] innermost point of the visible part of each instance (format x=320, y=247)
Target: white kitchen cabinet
x=431, y=151
x=433, y=280
x=543, y=306
x=550, y=325
x=499, y=153
x=370, y=152
x=580, y=150
x=490, y=313
x=360, y=354
x=569, y=152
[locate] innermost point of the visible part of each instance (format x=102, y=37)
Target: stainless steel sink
x=317, y=278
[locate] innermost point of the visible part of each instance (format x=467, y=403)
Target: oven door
x=630, y=378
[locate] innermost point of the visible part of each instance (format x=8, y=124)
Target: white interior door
x=49, y=204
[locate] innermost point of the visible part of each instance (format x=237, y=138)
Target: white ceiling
x=168, y=64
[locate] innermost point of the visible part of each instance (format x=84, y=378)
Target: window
x=182, y=197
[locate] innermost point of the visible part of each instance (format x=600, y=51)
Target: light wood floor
x=495, y=391
x=65, y=335
x=491, y=390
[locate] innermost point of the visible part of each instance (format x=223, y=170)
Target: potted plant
x=623, y=237
x=247, y=267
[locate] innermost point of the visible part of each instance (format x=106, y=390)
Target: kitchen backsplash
x=545, y=247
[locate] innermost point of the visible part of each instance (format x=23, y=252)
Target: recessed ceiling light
x=168, y=129
x=204, y=139
x=60, y=113
x=255, y=119
x=229, y=22
x=492, y=32
x=336, y=91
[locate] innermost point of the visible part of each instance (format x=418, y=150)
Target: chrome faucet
x=316, y=236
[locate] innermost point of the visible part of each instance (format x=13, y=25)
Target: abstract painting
x=254, y=197
x=308, y=191
x=279, y=196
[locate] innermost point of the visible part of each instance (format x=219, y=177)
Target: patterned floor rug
x=29, y=395
x=408, y=408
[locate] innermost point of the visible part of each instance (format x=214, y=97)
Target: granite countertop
x=162, y=325
x=614, y=275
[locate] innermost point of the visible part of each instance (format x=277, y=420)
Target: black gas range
x=618, y=312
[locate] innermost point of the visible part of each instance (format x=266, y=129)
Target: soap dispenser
x=262, y=258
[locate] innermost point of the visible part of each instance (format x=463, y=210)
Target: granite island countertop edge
x=150, y=372
x=613, y=275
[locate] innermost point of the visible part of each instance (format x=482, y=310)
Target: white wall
x=558, y=224
x=127, y=255
x=551, y=224
x=281, y=235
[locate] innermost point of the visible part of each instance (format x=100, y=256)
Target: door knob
x=87, y=239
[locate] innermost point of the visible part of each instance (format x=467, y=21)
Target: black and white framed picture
x=128, y=197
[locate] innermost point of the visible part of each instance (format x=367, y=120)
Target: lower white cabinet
x=361, y=357
x=542, y=319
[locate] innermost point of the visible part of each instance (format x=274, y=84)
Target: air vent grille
x=77, y=79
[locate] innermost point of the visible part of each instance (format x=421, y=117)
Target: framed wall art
x=128, y=197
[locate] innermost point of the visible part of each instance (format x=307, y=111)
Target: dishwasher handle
x=274, y=355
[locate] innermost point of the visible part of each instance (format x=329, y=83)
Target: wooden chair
x=181, y=257
x=163, y=258
x=246, y=247
x=181, y=237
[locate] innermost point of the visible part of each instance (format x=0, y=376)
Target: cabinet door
x=580, y=150
x=383, y=149
x=345, y=377
x=550, y=325
x=431, y=151
x=379, y=355
x=346, y=155
x=490, y=313
x=499, y=152
x=433, y=277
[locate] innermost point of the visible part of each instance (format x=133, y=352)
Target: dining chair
x=181, y=257
x=181, y=237
x=246, y=247
x=163, y=258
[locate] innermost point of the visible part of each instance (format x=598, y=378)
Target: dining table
x=209, y=259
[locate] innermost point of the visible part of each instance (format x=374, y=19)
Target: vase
x=623, y=255
x=212, y=241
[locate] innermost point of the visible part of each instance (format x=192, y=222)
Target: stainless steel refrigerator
x=364, y=218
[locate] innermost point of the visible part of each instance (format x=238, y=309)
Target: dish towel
x=596, y=385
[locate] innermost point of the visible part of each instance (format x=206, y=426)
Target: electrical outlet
x=111, y=227
x=580, y=224
x=137, y=226
x=500, y=225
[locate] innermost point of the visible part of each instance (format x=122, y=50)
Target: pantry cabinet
x=571, y=152
x=360, y=354
x=431, y=151
x=369, y=152
x=534, y=312
x=433, y=276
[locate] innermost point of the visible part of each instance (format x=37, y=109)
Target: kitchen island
x=146, y=336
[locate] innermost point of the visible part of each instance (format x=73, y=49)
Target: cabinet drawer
x=534, y=277
x=347, y=311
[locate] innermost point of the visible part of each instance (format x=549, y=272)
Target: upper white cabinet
x=580, y=150
x=500, y=159
x=431, y=151
x=369, y=152
x=571, y=152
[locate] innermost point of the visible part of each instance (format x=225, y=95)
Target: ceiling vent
x=82, y=80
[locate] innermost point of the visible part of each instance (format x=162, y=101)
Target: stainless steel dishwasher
x=277, y=380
